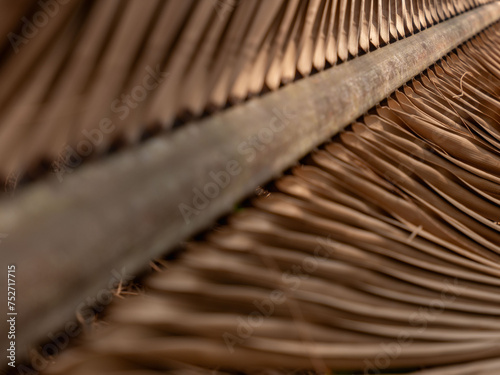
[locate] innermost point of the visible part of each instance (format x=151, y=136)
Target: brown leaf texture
x=381, y=251
x=92, y=62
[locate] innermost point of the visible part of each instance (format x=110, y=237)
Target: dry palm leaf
x=142, y=66
x=379, y=252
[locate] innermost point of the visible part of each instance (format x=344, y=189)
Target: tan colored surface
x=125, y=210
x=380, y=252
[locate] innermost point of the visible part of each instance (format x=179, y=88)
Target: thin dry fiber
x=380, y=252
x=140, y=65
